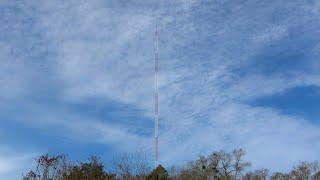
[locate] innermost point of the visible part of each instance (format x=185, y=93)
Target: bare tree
x=174, y=172
x=228, y=165
x=316, y=176
x=131, y=166
x=280, y=176
x=49, y=168
x=261, y=174
x=218, y=165
x=305, y=170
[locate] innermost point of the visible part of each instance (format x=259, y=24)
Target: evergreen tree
x=160, y=173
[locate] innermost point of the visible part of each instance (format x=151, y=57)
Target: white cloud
x=271, y=34
x=104, y=50
x=271, y=139
x=13, y=74
x=14, y=164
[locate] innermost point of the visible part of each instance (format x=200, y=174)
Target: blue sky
x=76, y=78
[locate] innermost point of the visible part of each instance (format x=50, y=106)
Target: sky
x=76, y=77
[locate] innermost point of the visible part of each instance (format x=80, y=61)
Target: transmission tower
x=156, y=95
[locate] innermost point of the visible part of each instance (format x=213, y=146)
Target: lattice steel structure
x=156, y=95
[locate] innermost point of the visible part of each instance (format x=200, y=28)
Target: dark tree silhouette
x=160, y=173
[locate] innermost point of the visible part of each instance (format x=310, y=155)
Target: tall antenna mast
x=156, y=94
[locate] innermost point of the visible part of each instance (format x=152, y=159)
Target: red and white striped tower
x=156, y=95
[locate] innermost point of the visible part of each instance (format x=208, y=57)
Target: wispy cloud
x=215, y=57
x=13, y=164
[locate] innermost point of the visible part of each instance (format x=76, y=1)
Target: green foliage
x=92, y=170
x=59, y=168
x=160, y=173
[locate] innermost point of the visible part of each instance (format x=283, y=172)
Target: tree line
x=219, y=165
